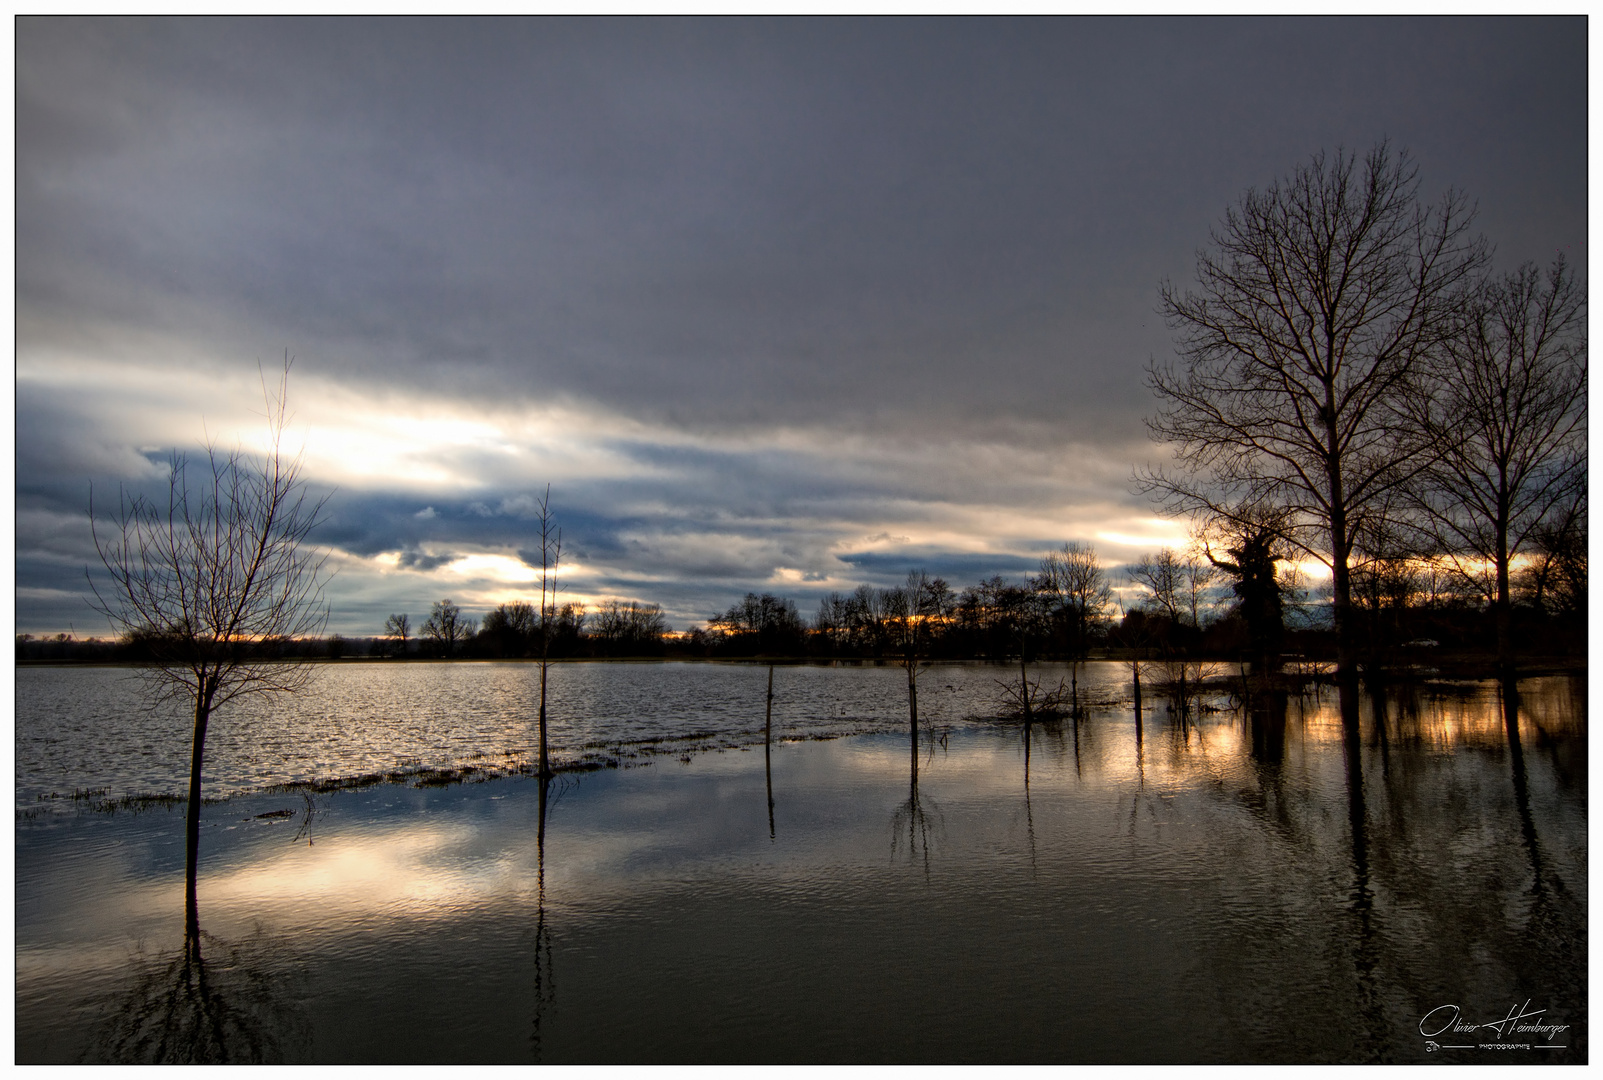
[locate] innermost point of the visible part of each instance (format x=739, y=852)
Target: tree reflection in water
x=1366, y=948
x=768, y=757
x=235, y=1008
x=914, y=818
x=544, y=987
x=1029, y=815
x=1522, y=797
x=1546, y=944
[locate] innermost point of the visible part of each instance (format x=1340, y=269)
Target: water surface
x=85, y=728
x=1248, y=885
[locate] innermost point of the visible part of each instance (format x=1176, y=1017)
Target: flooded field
x=82, y=729
x=1252, y=882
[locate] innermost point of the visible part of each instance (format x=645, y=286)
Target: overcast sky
x=786, y=305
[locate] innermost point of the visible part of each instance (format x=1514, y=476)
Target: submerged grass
x=95, y=802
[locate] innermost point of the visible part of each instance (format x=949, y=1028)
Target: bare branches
x=1318, y=307
x=550, y=562
x=215, y=569
x=1074, y=583
x=209, y=577
x=399, y=628
x=446, y=626
x=1509, y=414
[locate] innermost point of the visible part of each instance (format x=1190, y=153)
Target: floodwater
x=1259, y=884
x=88, y=729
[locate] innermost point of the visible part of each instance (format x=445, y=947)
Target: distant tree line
x=1232, y=596
x=515, y=630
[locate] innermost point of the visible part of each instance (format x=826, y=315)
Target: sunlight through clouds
x=739, y=316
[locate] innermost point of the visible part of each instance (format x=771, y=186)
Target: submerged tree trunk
x=543, y=993
x=197, y=755
x=545, y=760
x=912, y=712
x=1024, y=690
x=768, y=761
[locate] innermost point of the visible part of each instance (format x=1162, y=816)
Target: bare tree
x=447, y=627
x=760, y=625
x=1386, y=573
x=512, y=629
x=1076, y=584
x=1175, y=588
x=1509, y=411
x=399, y=627
x=1162, y=576
x=550, y=562
x=1555, y=579
x=629, y=629
x=1177, y=585
x=205, y=577
x=912, y=614
x=1319, y=306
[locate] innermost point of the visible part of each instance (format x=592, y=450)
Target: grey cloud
x=413, y=559
x=730, y=224
x=847, y=277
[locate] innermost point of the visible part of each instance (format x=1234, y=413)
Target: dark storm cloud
x=730, y=222
x=412, y=559
x=800, y=256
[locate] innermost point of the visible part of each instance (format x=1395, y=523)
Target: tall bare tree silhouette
x=207, y=576
x=1318, y=308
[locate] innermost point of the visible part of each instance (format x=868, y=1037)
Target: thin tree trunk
x=912, y=712
x=1341, y=593
x=1024, y=689
x=192, y=817
x=768, y=761
x=1503, y=609
x=545, y=760
x=1340, y=580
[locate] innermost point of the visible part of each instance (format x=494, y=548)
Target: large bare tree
x=1509, y=411
x=1317, y=307
x=206, y=576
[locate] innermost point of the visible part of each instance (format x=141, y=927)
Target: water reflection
x=311, y=812
x=768, y=752
x=1317, y=869
x=1266, y=715
x=918, y=818
x=1510, y=694
x=189, y=1010
x=544, y=984
x=85, y=728
x=1029, y=812
x=1366, y=953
